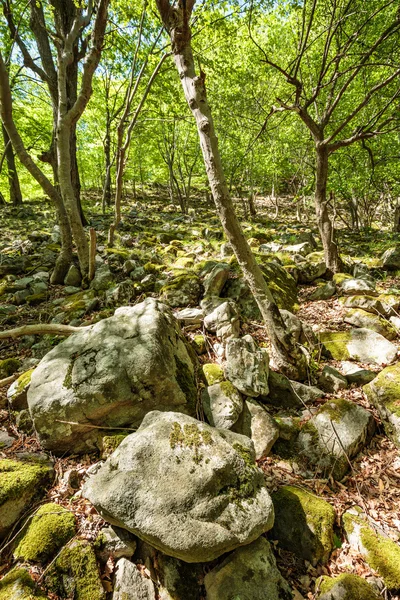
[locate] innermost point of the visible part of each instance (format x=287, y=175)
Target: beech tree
x=176, y=19
x=343, y=79
x=70, y=46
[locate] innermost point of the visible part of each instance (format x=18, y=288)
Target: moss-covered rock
x=8, y=366
x=380, y=552
x=109, y=443
x=361, y=318
x=75, y=574
x=19, y=585
x=20, y=482
x=50, y=528
x=213, y=373
x=182, y=290
x=199, y=343
x=345, y=587
x=17, y=392
x=384, y=393
x=362, y=345
x=303, y=524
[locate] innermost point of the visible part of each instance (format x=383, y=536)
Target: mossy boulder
x=213, y=373
x=190, y=490
x=79, y=304
x=303, y=524
x=17, y=392
x=361, y=318
x=380, y=552
x=8, y=366
x=44, y=534
x=182, y=290
x=336, y=433
x=21, y=481
x=345, y=587
x=19, y=585
x=75, y=574
x=362, y=345
x=384, y=393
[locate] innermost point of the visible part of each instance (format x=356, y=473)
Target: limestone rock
x=73, y=277
x=336, y=420
x=383, y=393
x=391, y=259
x=19, y=585
x=6, y=440
x=346, y=587
x=367, y=303
x=216, y=279
x=362, y=345
x=362, y=318
x=259, y=426
x=303, y=524
x=331, y=380
x=222, y=404
x=324, y=292
x=190, y=316
x=247, y=366
x=249, y=573
x=352, y=287
x=310, y=271
x=224, y=320
x=115, y=542
x=103, y=279
x=303, y=248
x=18, y=391
x=380, y=552
x=285, y=393
x=130, y=583
x=111, y=374
x=121, y=294
x=182, y=290
x=213, y=373
x=357, y=375
x=190, y=490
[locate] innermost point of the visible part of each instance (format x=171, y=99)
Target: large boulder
x=191, y=491
x=249, y=573
x=111, y=374
x=362, y=345
x=384, y=393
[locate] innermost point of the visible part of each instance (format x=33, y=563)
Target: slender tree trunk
x=13, y=180
x=326, y=230
x=106, y=201
x=287, y=356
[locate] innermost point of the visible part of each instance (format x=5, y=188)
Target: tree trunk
x=106, y=201
x=288, y=357
x=13, y=180
x=326, y=230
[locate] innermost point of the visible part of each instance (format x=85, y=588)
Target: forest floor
x=373, y=481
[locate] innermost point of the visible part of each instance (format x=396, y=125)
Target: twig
x=96, y=426
x=41, y=329
x=8, y=380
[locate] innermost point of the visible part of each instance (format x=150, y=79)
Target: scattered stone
x=75, y=574
x=310, y=271
x=352, y=287
x=216, y=279
x=247, y=366
x=366, y=303
x=213, y=373
x=383, y=393
x=357, y=375
x=190, y=316
x=130, y=583
x=18, y=390
x=363, y=345
x=336, y=433
x=199, y=344
x=303, y=249
x=8, y=366
x=69, y=290
x=346, y=587
x=121, y=294
x=224, y=320
x=284, y=393
x=303, y=524
x=115, y=542
x=182, y=290
x=190, y=490
x=259, y=426
x=380, y=552
x=324, y=292
x=362, y=318
x=331, y=380
x=24, y=421
x=226, y=250
x=7, y=310
x=45, y=534
x=19, y=585
x=103, y=279
x=6, y=440
x=391, y=259
x=249, y=572
x=111, y=374
x=222, y=404
x=20, y=482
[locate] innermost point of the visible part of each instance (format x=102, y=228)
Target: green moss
x=246, y=484
x=335, y=342
x=213, y=373
x=354, y=587
x=304, y=522
x=111, y=443
x=385, y=390
x=75, y=574
x=119, y=252
x=24, y=380
x=34, y=299
x=152, y=268
x=67, y=383
x=18, y=478
x=51, y=528
x=19, y=584
x=199, y=342
x=336, y=408
x=192, y=437
x=338, y=278
x=8, y=366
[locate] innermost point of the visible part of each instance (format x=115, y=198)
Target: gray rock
x=224, y=321
x=6, y=440
x=270, y=248
x=324, y=292
x=362, y=318
x=259, y=426
x=190, y=490
x=103, y=279
x=310, y=271
x=42, y=276
x=69, y=290
x=121, y=294
x=111, y=374
x=216, y=279
x=331, y=380
x=285, y=393
x=352, y=287
x=182, y=290
x=129, y=266
x=222, y=404
x=249, y=573
x=18, y=390
x=391, y=259
x=383, y=393
x=137, y=274
x=339, y=430
x=20, y=296
x=226, y=250
x=357, y=375
x=368, y=303
x=346, y=587
x=115, y=542
x=302, y=333
x=130, y=583
x=190, y=316
x=7, y=309
x=73, y=277
x=363, y=345
x=247, y=366
x=23, y=284
x=302, y=249
x=38, y=287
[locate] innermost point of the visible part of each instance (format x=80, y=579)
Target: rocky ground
x=156, y=453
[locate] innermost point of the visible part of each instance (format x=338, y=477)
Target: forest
x=200, y=300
